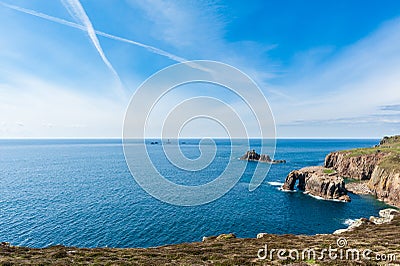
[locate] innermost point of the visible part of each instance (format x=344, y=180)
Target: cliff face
x=356, y=167
x=379, y=166
x=385, y=185
x=318, y=182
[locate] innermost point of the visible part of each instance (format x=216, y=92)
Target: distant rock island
x=374, y=171
x=264, y=158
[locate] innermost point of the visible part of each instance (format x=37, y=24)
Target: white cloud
x=31, y=107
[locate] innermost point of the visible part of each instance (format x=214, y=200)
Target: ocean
x=81, y=193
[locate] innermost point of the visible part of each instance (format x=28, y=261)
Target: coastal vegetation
x=380, y=239
x=329, y=171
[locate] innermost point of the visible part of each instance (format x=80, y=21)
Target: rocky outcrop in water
x=264, y=158
x=293, y=177
x=318, y=181
x=379, y=166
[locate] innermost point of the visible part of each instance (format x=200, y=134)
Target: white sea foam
x=349, y=222
x=286, y=190
x=315, y=197
x=275, y=183
x=321, y=198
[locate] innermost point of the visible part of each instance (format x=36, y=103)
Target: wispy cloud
x=189, y=24
x=150, y=48
x=393, y=107
x=356, y=82
x=368, y=119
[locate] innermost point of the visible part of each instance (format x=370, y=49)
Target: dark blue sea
x=81, y=193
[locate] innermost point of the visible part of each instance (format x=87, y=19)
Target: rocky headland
x=374, y=171
x=264, y=158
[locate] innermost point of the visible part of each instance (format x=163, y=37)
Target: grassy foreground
x=380, y=239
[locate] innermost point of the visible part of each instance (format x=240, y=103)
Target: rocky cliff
x=318, y=181
x=385, y=185
x=379, y=166
x=357, y=167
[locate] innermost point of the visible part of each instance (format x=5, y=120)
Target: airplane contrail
x=81, y=27
x=76, y=10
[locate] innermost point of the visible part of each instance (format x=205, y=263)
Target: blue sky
x=327, y=68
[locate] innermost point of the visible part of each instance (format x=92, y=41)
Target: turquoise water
x=81, y=193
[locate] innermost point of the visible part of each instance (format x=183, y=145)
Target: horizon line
x=156, y=138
